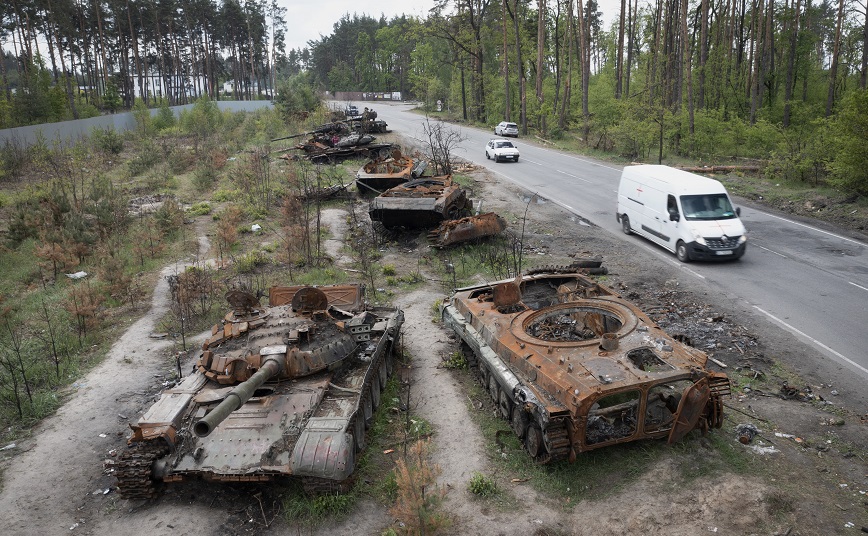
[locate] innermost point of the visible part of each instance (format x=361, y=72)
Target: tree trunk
x=687, y=64
x=703, y=50
x=791, y=66
x=619, y=61
x=540, y=58
x=507, y=107
x=585, y=66
x=833, y=69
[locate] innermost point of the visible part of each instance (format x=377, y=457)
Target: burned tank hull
x=285, y=390
x=420, y=203
x=574, y=367
x=470, y=228
x=383, y=173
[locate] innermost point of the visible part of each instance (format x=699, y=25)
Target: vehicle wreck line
x=795, y=330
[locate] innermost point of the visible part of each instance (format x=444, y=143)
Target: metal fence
x=68, y=132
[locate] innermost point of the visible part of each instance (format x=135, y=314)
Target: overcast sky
x=308, y=20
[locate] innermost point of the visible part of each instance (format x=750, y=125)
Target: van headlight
x=742, y=239
x=699, y=239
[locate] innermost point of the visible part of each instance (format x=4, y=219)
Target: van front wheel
x=625, y=225
x=681, y=252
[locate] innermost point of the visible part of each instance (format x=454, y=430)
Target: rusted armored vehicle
x=420, y=203
x=382, y=173
x=277, y=391
x=452, y=232
x=335, y=141
x=574, y=367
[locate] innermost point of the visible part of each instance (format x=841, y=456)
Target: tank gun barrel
x=293, y=136
x=238, y=396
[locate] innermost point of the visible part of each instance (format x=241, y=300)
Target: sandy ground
x=54, y=483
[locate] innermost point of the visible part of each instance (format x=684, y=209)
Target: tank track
x=133, y=469
x=556, y=434
x=557, y=440
x=323, y=486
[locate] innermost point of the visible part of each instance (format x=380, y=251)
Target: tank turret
x=284, y=390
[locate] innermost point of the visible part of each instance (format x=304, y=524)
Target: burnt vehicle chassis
x=574, y=367
x=286, y=390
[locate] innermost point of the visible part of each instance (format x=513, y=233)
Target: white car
x=505, y=128
x=501, y=149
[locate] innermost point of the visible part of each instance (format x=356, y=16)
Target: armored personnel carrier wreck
x=282, y=390
x=420, y=203
x=575, y=367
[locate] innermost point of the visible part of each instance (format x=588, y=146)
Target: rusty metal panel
x=347, y=297
x=469, y=228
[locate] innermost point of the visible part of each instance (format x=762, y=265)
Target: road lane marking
x=588, y=161
x=813, y=228
x=770, y=251
x=792, y=329
x=526, y=159
x=571, y=175
x=860, y=286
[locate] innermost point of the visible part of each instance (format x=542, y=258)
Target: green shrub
x=107, y=140
x=248, y=262
x=389, y=269
x=482, y=486
x=199, y=209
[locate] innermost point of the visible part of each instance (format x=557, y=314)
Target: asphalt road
x=809, y=281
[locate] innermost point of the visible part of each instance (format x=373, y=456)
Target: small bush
x=482, y=486
x=389, y=269
x=107, y=140
x=456, y=361
x=199, y=209
x=204, y=176
x=222, y=195
x=248, y=262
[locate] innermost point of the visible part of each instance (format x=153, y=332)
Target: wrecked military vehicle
x=382, y=173
x=278, y=391
x=452, y=232
x=335, y=141
x=420, y=203
x=572, y=366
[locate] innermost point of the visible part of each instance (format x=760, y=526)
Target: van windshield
x=707, y=207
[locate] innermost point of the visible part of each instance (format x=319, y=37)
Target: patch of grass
x=321, y=276
x=310, y=510
x=482, y=486
x=389, y=270
x=456, y=360
x=199, y=209
x=223, y=195
x=250, y=261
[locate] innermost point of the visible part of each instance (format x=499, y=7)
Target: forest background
x=714, y=81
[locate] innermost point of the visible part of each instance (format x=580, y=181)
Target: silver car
x=501, y=149
x=505, y=128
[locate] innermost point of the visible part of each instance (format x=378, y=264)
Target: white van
x=688, y=214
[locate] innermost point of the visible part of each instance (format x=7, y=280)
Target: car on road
x=501, y=149
x=505, y=128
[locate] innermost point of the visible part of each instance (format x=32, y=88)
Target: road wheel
x=516, y=159
x=496, y=159
x=625, y=225
x=681, y=251
x=533, y=440
x=504, y=405
x=486, y=156
x=519, y=421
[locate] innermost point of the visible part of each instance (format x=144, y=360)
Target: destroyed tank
x=420, y=203
x=384, y=172
x=280, y=391
x=573, y=366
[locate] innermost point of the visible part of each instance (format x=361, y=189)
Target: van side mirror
x=674, y=216
x=738, y=211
